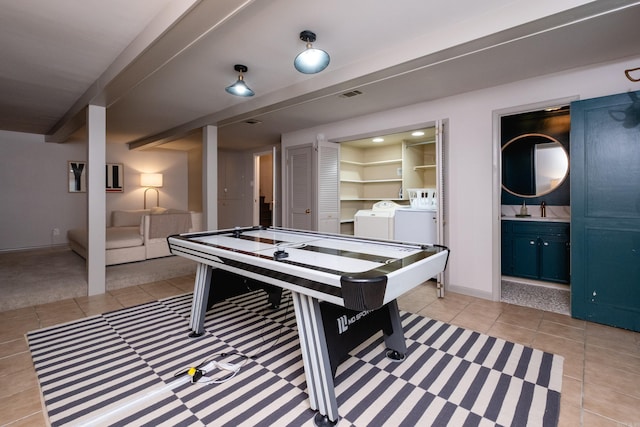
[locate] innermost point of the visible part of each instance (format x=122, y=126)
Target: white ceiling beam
x=178, y=27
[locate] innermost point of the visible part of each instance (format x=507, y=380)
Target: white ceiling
x=161, y=66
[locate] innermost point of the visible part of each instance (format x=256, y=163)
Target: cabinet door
x=525, y=256
x=554, y=259
x=507, y=250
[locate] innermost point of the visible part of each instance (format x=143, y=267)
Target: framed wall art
x=114, y=175
x=77, y=176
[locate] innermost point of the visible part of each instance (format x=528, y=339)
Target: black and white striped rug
x=118, y=369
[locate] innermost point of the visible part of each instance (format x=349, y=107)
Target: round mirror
x=533, y=165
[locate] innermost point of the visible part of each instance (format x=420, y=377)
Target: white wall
x=473, y=217
x=34, y=199
x=172, y=164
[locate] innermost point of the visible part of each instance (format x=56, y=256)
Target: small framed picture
x=77, y=172
x=114, y=174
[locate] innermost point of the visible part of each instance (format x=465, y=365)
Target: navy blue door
x=605, y=210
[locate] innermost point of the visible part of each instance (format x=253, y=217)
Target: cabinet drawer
x=540, y=228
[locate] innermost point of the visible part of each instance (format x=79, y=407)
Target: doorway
x=264, y=199
x=400, y=169
x=535, y=208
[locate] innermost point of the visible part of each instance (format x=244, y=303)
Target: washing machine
x=416, y=225
x=377, y=222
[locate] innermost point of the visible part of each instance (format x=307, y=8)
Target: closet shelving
x=420, y=166
x=373, y=164
x=370, y=173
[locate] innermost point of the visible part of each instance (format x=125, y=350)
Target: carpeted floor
x=120, y=367
x=41, y=276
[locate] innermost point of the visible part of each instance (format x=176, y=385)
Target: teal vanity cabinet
x=536, y=250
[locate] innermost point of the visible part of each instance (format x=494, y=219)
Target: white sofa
x=137, y=235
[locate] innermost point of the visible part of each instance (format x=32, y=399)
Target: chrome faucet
x=543, y=209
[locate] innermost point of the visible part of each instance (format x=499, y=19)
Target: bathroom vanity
x=536, y=248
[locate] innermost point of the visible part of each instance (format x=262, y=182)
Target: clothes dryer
x=377, y=222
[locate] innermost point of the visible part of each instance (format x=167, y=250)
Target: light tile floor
x=601, y=384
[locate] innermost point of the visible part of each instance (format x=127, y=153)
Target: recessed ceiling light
x=378, y=139
x=417, y=133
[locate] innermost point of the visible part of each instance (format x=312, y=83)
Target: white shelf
x=368, y=199
x=414, y=144
x=379, y=163
x=423, y=167
x=371, y=181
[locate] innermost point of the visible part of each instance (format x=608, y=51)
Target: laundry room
x=389, y=186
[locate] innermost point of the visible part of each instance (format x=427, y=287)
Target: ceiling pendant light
x=240, y=88
x=311, y=60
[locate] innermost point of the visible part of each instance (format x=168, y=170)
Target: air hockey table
x=361, y=276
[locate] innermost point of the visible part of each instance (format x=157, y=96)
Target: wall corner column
x=210, y=177
x=96, y=202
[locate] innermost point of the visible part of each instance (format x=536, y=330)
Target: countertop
x=537, y=218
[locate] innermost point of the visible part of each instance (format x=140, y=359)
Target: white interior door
x=300, y=186
x=275, y=205
x=328, y=212
x=442, y=199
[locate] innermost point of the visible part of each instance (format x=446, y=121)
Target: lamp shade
x=311, y=60
x=151, y=180
x=240, y=88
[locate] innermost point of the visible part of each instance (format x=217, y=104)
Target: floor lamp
x=152, y=181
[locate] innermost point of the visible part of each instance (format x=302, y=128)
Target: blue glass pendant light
x=311, y=60
x=240, y=88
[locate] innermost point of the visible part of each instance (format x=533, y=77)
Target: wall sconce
x=152, y=181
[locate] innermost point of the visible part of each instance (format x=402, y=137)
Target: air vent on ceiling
x=350, y=94
x=253, y=122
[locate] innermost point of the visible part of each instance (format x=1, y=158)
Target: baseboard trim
x=36, y=248
x=468, y=291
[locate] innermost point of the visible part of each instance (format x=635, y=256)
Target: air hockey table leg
x=395, y=341
x=315, y=357
x=440, y=285
x=200, y=300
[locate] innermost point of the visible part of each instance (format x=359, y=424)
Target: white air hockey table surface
x=356, y=273
x=316, y=264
